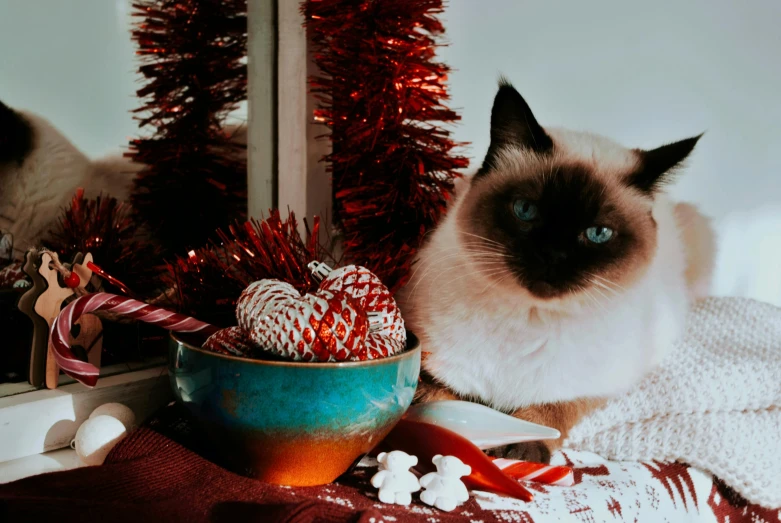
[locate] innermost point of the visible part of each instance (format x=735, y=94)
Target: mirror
x=75, y=136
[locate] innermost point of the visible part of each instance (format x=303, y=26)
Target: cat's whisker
x=482, y=243
x=609, y=282
x=430, y=267
x=474, y=246
x=601, y=294
x=454, y=253
x=459, y=253
x=465, y=223
x=600, y=284
x=485, y=268
x=487, y=272
x=427, y=263
x=450, y=268
x=489, y=240
x=593, y=299
x=496, y=283
x=480, y=249
x=600, y=306
x=494, y=259
x=433, y=263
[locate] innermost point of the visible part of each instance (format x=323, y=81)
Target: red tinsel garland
x=208, y=281
x=193, y=54
x=104, y=227
x=382, y=94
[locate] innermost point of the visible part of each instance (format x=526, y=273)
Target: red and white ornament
x=351, y=317
x=233, y=341
x=374, y=298
x=324, y=326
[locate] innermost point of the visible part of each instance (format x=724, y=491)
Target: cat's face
x=562, y=212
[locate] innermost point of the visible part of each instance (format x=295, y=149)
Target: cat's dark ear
x=513, y=125
x=657, y=165
x=16, y=136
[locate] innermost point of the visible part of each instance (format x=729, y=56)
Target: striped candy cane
x=528, y=471
x=87, y=373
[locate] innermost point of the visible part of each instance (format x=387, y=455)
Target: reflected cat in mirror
x=561, y=274
x=40, y=170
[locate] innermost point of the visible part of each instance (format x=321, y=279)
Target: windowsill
x=12, y=389
x=56, y=460
x=38, y=422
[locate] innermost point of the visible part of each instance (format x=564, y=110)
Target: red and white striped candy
x=529, y=471
x=87, y=373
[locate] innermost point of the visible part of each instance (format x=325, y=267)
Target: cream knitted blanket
x=715, y=402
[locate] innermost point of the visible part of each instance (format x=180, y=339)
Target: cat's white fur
x=34, y=194
x=488, y=339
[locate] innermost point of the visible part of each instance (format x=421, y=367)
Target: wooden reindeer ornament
x=88, y=330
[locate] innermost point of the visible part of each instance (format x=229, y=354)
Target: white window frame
x=284, y=151
x=284, y=171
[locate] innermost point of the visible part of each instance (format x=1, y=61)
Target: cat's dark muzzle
x=546, y=290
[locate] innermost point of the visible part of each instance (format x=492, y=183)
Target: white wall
x=645, y=74
x=641, y=73
x=71, y=61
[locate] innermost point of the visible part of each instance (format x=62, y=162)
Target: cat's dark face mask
x=562, y=227
x=560, y=232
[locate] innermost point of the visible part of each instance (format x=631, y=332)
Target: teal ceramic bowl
x=292, y=423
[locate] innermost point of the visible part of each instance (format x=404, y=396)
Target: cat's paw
x=535, y=451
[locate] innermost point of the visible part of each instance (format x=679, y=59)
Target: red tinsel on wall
x=193, y=54
x=208, y=281
x=382, y=94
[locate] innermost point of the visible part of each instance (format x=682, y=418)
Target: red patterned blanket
x=164, y=472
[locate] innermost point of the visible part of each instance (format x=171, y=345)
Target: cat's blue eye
x=599, y=234
x=524, y=210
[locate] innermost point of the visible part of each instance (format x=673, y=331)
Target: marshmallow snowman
x=395, y=481
x=443, y=488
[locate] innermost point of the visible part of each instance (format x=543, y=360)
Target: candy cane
x=528, y=471
x=87, y=373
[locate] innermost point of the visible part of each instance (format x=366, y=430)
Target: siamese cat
x=561, y=274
